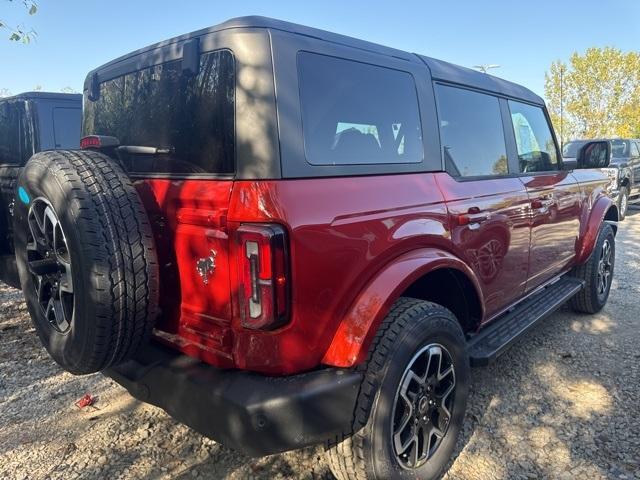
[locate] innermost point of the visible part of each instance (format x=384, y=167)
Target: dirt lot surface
x=564, y=403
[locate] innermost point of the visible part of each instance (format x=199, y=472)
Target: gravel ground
x=564, y=403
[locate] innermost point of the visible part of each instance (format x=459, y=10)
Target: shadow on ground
x=562, y=403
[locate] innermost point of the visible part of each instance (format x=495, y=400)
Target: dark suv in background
x=30, y=122
x=623, y=169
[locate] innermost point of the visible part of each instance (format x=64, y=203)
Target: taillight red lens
x=92, y=141
x=263, y=273
x=98, y=142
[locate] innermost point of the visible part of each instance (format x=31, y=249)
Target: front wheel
x=623, y=203
x=412, y=399
x=597, y=273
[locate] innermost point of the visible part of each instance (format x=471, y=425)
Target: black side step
x=494, y=340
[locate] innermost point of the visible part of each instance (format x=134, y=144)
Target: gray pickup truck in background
x=623, y=169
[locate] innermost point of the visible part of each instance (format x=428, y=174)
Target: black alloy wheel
x=49, y=263
x=605, y=268
x=422, y=407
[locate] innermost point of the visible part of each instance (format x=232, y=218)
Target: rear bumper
x=252, y=413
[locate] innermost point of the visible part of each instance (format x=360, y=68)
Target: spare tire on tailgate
x=86, y=257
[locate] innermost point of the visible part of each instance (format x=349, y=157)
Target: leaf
x=14, y=37
x=33, y=9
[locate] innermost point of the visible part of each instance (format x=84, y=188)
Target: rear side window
x=10, y=152
x=355, y=113
x=536, y=147
x=635, y=150
x=471, y=133
x=161, y=106
x=66, y=127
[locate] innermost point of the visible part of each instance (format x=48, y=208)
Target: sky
x=523, y=37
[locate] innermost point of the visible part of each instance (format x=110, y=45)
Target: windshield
x=620, y=148
x=192, y=117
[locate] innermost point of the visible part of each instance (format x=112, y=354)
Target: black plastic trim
x=252, y=413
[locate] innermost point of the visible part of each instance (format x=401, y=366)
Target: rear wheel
x=412, y=400
x=597, y=272
x=86, y=259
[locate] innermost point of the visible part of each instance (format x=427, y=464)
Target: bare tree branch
x=20, y=33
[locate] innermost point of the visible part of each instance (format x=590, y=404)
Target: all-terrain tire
x=366, y=453
x=591, y=299
x=112, y=262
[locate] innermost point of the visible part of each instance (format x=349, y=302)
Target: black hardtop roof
x=440, y=70
x=44, y=95
x=449, y=72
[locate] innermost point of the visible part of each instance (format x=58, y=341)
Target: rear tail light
x=98, y=142
x=263, y=273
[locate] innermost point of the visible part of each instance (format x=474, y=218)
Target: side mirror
x=569, y=163
x=594, y=155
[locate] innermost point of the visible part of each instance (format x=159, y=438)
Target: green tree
x=595, y=94
x=20, y=33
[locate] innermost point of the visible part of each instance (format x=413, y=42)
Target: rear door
x=487, y=204
x=554, y=194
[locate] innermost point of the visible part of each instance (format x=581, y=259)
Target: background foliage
x=599, y=91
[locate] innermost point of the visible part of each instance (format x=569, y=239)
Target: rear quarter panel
x=342, y=232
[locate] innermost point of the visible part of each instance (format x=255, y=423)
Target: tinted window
x=354, y=113
x=66, y=127
x=10, y=133
x=635, y=150
x=536, y=147
x=620, y=148
x=159, y=106
x=471, y=132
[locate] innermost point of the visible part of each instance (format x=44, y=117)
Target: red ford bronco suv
x=286, y=237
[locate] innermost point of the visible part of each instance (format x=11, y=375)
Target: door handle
x=478, y=217
x=541, y=203
x=473, y=217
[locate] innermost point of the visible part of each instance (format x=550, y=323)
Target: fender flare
x=358, y=327
x=591, y=228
